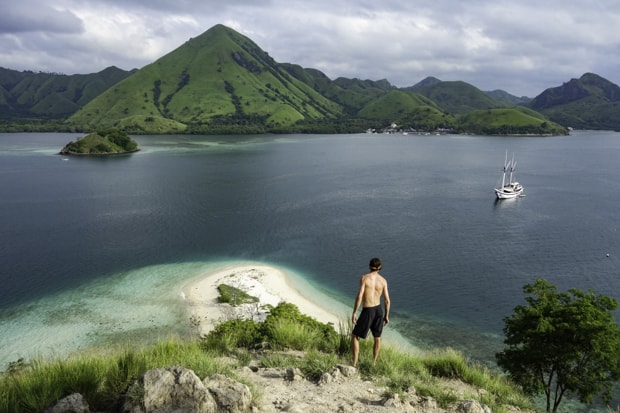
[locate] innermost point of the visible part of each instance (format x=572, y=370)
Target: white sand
x=269, y=284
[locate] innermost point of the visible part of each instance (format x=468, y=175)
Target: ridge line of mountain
x=223, y=82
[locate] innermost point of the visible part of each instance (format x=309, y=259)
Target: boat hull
x=508, y=192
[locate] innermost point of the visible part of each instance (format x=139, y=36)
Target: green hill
x=589, y=102
x=50, y=95
x=444, y=90
x=508, y=121
x=506, y=99
x=407, y=109
x=220, y=80
x=424, y=83
x=351, y=94
x=457, y=97
x=354, y=94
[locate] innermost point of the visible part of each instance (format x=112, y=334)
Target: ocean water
x=96, y=249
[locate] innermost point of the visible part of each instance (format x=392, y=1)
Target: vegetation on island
x=560, y=344
x=234, y=296
x=221, y=82
x=108, y=142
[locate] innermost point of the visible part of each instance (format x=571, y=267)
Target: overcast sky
x=520, y=46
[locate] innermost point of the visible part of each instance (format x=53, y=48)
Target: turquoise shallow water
x=96, y=249
x=138, y=306
x=132, y=306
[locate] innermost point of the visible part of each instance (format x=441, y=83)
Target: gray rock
x=73, y=403
x=472, y=406
x=427, y=403
x=326, y=378
x=347, y=371
x=230, y=395
x=393, y=402
x=173, y=390
x=293, y=373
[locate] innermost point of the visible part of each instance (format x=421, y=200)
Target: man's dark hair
x=375, y=264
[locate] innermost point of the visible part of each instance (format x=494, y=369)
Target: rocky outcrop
x=178, y=390
x=229, y=395
x=174, y=389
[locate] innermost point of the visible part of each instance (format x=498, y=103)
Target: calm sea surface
x=91, y=245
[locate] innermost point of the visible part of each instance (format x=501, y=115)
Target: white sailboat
x=510, y=188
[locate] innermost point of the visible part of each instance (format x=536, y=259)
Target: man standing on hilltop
x=372, y=287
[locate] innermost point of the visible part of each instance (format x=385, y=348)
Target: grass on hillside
x=408, y=110
x=104, y=379
x=511, y=121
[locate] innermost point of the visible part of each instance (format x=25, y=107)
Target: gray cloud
x=28, y=16
x=522, y=47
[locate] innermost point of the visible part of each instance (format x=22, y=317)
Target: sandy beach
x=269, y=284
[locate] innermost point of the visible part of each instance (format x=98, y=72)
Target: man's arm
x=386, y=299
x=358, y=300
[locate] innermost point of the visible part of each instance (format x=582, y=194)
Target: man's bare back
x=373, y=286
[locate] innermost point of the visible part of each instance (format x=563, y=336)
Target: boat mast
x=513, y=165
x=505, y=167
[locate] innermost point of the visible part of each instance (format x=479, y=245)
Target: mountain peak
x=219, y=30
x=589, y=84
x=426, y=82
x=218, y=36
x=217, y=79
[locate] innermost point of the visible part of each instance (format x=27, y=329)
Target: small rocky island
x=108, y=142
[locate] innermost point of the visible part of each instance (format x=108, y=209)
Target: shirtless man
x=372, y=286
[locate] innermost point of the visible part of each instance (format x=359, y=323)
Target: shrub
x=320, y=335
x=316, y=363
x=450, y=364
x=232, y=334
x=285, y=333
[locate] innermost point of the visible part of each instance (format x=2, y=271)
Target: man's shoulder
x=373, y=276
x=366, y=277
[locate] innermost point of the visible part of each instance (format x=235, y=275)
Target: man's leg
x=376, y=349
x=355, y=347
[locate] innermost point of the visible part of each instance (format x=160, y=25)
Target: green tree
x=562, y=343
